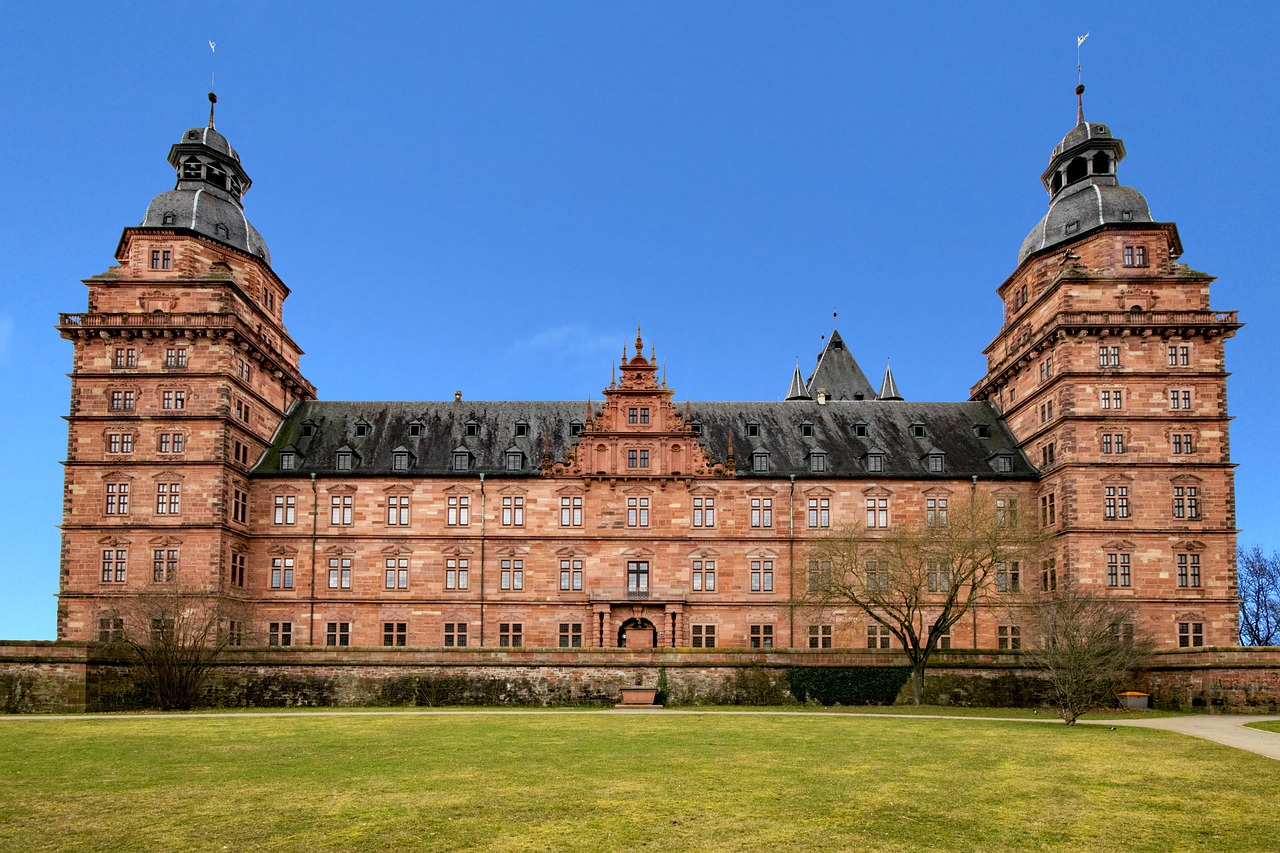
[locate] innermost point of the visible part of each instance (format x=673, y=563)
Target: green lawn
x=1267, y=726
x=590, y=781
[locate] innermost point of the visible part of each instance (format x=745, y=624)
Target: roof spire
x=889, y=388
x=1080, y=104
x=213, y=99
x=639, y=342
x=797, y=389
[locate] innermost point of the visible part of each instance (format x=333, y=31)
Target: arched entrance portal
x=637, y=634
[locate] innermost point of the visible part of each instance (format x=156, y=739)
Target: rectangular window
x=237, y=569
x=1049, y=575
x=243, y=369
x=121, y=401
x=124, y=357
x=1118, y=571
x=819, y=512
x=633, y=416
x=1116, y=502
x=1179, y=399
x=938, y=577
x=571, y=512
x=171, y=442
x=570, y=635
x=637, y=512
x=1108, y=356
x=877, y=512
x=511, y=634
x=571, y=575
x=395, y=633
x=286, y=507
x=1046, y=367
x=175, y=357
x=120, y=442
x=644, y=416
x=397, y=510
x=240, y=506
x=878, y=637
x=161, y=259
x=704, y=512
x=633, y=458
x=282, y=572
x=173, y=399
x=818, y=462
x=936, y=512
x=877, y=576
x=1179, y=355
x=944, y=639
x=1009, y=637
x=456, y=573
x=1048, y=510
x=340, y=509
x=337, y=634
x=167, y=498
x=455, y=635
x=242, y=454
x=762, y=575
x=761, y=636
x=113, y=563
x=1186, y=502
x=637, y=576
x=164, y=565
x=512, y=574
x=279, y=633
x=820, y=636
x=459, y=511
x=704, y=575
x=1188, y=570
x=110, y=629
x=1190, y=634
x=762, y=512
x=339, y=573
x=1009, y=577
x=875, y=463
x=1113, y=399
x=397, y=569
x=1182, y=443
x=117, y=498
x=513, y=511
x=819, y=575
x=704, y=636
x=1113, y=442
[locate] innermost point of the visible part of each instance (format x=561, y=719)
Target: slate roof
x=950, y=428
x=838, y=373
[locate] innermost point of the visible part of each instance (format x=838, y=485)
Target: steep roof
x=970, y=435
x=838, y=373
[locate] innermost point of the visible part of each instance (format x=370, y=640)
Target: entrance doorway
x=637, y=634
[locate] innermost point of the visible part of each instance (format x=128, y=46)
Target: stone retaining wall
x=38, y=677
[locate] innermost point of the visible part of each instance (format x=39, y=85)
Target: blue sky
x=489, y=197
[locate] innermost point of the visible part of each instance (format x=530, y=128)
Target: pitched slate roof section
x=797, y=390
x=838, y=373
x=949, y=428
x=888, y=387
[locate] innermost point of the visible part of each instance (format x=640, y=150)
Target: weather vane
x=1079, y=42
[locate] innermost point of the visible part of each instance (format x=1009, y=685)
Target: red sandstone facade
x=187, y=400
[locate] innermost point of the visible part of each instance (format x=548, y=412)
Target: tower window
x=1077, y=169
x=1101, y=163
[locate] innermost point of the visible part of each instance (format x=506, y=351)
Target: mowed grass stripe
x=605, y=782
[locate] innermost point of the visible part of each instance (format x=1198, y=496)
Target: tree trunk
x=917, y=683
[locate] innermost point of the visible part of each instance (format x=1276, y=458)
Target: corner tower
x=182, y=368
x=1110, y=369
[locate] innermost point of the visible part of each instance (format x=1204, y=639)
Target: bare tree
x=172, y=638
x=919, y=580
x=1258, y=577
x=1085, y=643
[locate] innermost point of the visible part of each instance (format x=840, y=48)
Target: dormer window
x=343, y=460
x=221, y=231
x=575, y=428
x=308, y=429
x=860, y=429
x=1003, y=463
x=1071, y=227
x=817, y=462
x=461, y=460
x=917, y=430
x=760, y=461
x=288, y=461
x=472, y=428
x=875, y=463
x=401, y=459
x=522, y=429
x=696, y=426
x=753, y=430
x=982, y=431
x=806, y=430
x=515, y=460
x=934, y=463
x=362, y=429
x=415, y=429
x=168, y=219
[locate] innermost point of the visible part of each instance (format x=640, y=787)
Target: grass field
x=590, y=781
x=1267, y=726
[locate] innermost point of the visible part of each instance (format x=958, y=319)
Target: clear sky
x=488, y=197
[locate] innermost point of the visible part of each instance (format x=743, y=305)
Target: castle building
x=199, y=457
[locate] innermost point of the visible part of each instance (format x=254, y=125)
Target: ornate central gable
x=638, y=432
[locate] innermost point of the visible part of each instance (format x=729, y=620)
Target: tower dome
x=1084, y=192
x=208, y=196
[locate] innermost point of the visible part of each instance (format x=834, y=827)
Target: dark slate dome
x=209, y=193
x=1084, y=192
